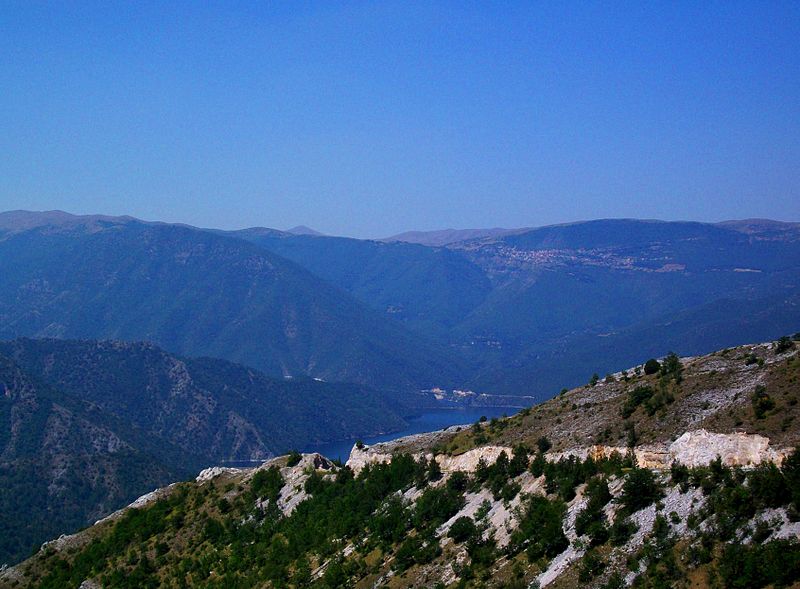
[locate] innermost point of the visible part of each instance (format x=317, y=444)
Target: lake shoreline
x=421, y=422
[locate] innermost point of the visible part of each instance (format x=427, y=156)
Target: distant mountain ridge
x=501, y=313
x=522, y=306
x=443, y=237
x=199, y=292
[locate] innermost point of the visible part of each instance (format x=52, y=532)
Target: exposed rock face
x=700, y=447
x=694, y=448
x=293, y=492
x=468, y=461
x=215, y=471
x=361, y=457
x=502, y=516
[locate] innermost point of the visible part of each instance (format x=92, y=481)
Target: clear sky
x=368, y=119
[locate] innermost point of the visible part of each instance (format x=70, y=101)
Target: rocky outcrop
x=699, y=447
x=468, y=461
x=694, y=448
x=214, y=472
x=293, y=492
x=366, y=455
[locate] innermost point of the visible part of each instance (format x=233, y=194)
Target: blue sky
x=367, y=119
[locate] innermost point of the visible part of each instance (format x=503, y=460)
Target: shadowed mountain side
x=206, y=407
x=199, y=293
x=572, y=362
x=65, y=463
x=429, y=289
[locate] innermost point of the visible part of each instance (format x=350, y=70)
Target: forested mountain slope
x=65, y=462
x=86, y=426
x=528, y=308
x=429, y=289
x=199, y=293
x=207, y=407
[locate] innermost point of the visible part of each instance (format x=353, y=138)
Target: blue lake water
x=429, y=421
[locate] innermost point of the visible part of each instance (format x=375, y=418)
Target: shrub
x=750, y=567
x=519, y=461
x=615, y=581
x=538, y=465
x=494, y=476
x=390, y=523
x=540, y=531
x=509, y=491
x=679, y=473
x=435, y=506
x=621, y=530
x=784, y=344
x=652, y=366
x=590, y=519
x=659, y=399
x=267, y=484
x=407, y=551
x=630, y=434
x=458, y=481
x=294, y=458
x=462, y=529
x=640, y=490
x=482, y=551
x=636, y=397
x=768, y=486
x=791, y=473
x=591, y=566
x=434, y=471
x=543, y=444
x=762, y=402
x=478, y=432
x=672, y=367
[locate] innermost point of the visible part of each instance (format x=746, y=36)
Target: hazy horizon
x=404, y=231
x=371, y=120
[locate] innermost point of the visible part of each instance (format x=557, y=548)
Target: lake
x=431, y=420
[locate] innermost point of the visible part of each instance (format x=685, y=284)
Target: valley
x=152, y=350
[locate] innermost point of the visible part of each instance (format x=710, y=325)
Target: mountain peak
x=303, y=230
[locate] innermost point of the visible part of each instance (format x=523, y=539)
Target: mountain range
x=504, y=312
x=199, y=293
